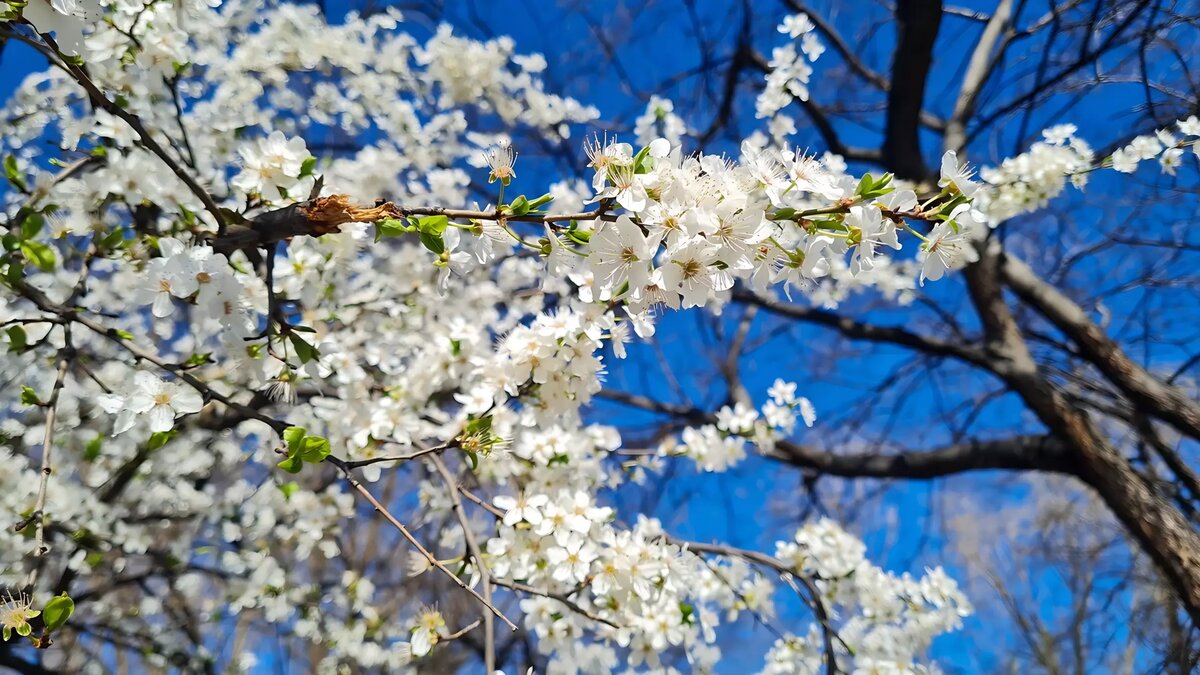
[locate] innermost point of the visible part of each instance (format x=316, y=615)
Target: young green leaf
x=57, y=611
x=17, y=340
x=433, y=242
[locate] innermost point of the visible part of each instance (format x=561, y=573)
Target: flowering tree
x=264, y=386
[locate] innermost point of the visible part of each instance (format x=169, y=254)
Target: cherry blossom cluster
x=717, y=447
x=790, y=71
x=659, y=121
x=883, y=621
x=1028, y=182
x=1164, y=144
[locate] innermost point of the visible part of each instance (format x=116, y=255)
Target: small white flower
x=957, y=174
x=500, y=159
x=15, y=613
x=522, y=508
x=162, y=400
x=948, y=246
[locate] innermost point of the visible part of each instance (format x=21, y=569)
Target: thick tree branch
x=917, y=26
x=1164, y=401
x=979, y=69
x=1019, y=453
x=1160, y=529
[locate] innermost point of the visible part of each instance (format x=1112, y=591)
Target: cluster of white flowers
x=704, y=222
x=717, y=447
x=1163, y=144
x=659, y=121
x=272, y=168
x=1028, y=181
x=557, y=356
x=203, y=279
x=790, y=72
x=160, y=400
x=883, y=621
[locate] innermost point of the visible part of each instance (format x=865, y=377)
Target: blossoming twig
x=788, y=575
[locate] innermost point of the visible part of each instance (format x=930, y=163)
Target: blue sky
x=656, y=44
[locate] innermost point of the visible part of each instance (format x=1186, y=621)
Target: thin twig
x=523, y=588
x=461, y=632
x=485, y=575
x=785, y=573
x=341, y=464
x=400, y=458
x=66, y=355
x=478, y=500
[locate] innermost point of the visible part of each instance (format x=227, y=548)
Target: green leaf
x=123, y=334
x=784, y=214
x=519, y=207
x=198, y=359
x=293, y=436
x=870, y=188
x=288, y=489
x=688, y=613
x=864, y=184
x=314, y=449
x=160, y=438
x=472, y=459
x=13, y=173
x=32, y=224
x=57, y=611
x=478, y=426
x=540, y=202
x=292, y=465
x=390, y=227
x=17, y=340
x=306, y=168
x=304, y=351
x=433, y=224
x=433, y=242
x=639, y=160
x=29, y=396
x=39, y=254
x=113, y=239
x=579, y=236
x=14, y=272
x=91, y=451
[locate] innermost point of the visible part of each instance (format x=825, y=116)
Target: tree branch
x=1018, y=453
x=857, y=330
x=917, y=26
x=1164, y=401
